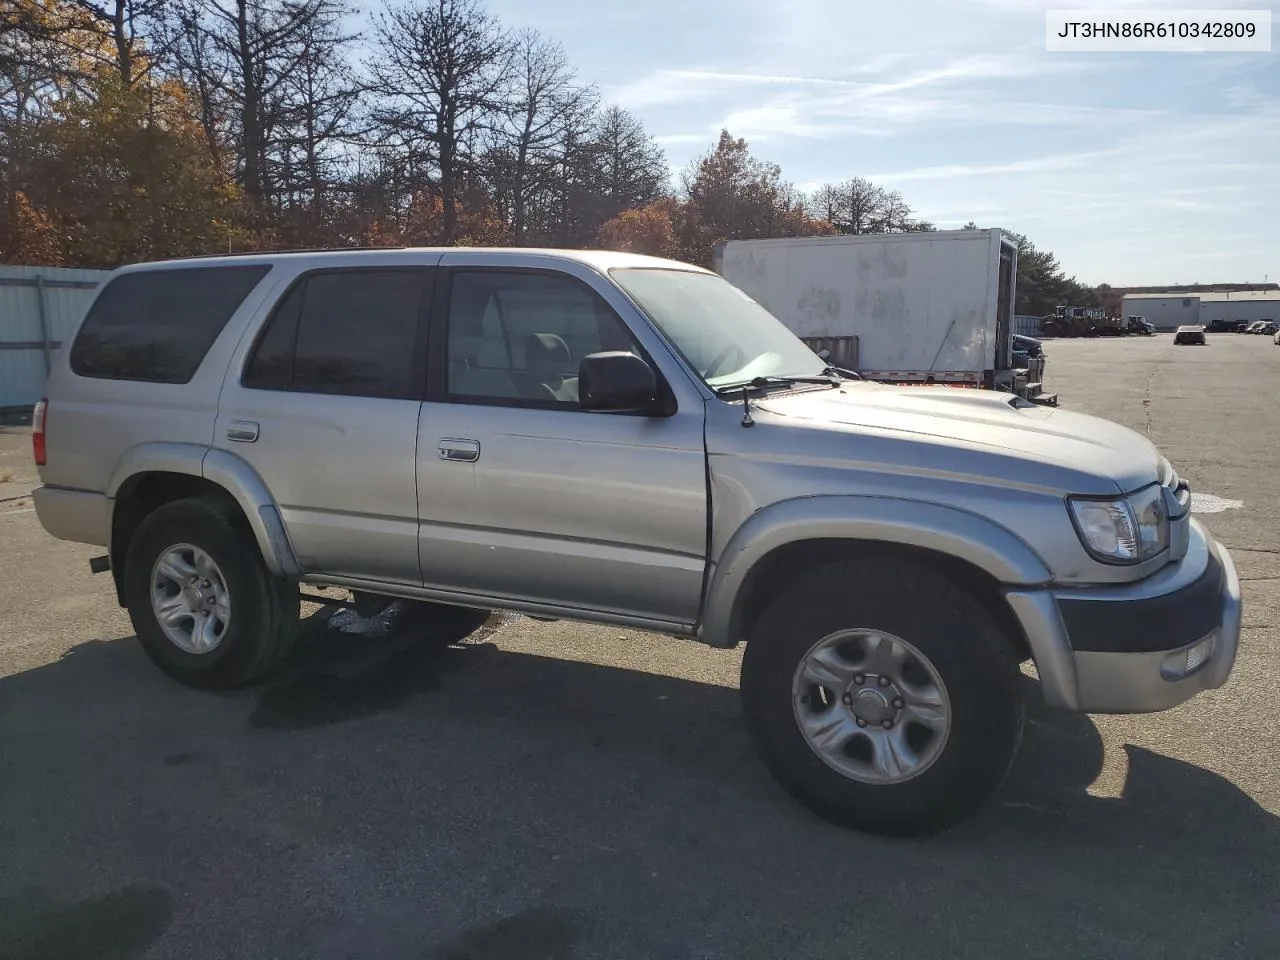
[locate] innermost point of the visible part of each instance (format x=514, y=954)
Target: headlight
x=1125, y=530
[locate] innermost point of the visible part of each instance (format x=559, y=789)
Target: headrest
x=548, y=353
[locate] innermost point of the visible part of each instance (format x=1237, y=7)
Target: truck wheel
x=883, y=697
x=443, y=624
x=205, y=608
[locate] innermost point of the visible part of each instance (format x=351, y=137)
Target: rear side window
x=157, y=325
x=350, y=332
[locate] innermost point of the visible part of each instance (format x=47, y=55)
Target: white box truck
x=913, y=308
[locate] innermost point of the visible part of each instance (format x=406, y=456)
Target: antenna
x=747, y=420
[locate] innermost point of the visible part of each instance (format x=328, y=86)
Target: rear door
x=324, y=406
x=523, y=494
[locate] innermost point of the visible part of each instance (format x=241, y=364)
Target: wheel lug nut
x=898, y=703
x=885, y=681
x=859, y=679
x=861, y=722
x=887, y=724
x=848, y=700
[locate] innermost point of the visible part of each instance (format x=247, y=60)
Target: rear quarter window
x=157, y=325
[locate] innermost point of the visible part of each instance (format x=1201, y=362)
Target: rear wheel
x=883, y=697
x=202, y=602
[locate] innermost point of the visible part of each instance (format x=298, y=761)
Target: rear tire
x=195, y=555
x=943, y=648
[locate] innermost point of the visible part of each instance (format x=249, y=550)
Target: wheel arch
x=781, y=542
x=152, y=475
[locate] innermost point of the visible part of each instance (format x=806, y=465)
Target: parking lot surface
x=553, y=790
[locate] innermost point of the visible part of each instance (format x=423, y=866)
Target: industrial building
x=1169, y=311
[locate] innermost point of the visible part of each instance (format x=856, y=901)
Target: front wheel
x=883, y=697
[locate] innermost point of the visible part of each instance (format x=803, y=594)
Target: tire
x=443, y=625
x=960, y=642
x=262, y=616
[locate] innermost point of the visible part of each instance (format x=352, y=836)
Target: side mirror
x=617, y=381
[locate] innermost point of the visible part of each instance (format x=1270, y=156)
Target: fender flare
x=229, y=472
x=957, y=533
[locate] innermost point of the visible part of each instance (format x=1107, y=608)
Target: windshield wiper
x=842, y=372
x=763, y=383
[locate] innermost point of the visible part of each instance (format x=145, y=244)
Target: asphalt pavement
x=552, y=790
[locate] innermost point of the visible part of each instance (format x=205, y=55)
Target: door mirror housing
x=617, y=381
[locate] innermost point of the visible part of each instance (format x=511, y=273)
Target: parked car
x=626, y=440
x=1189, y=334
x=1140, y=326
x=1256, y=327
x=1242, y=326
x=1269, y=327
x=1276, y=338
x=1027, y=346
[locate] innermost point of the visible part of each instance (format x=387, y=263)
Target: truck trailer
x=910, y=308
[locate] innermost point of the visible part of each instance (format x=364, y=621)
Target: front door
x=523, y=494
x=326, y=411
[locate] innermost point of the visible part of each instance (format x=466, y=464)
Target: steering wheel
x=723, y=355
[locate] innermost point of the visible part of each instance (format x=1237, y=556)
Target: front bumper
x=1124, y=649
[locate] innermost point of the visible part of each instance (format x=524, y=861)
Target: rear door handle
x=466, y=451
x=242, y=431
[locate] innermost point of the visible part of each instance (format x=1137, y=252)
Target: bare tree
x=240, y=54
x=201, y=69
x=442, y=77
x=314, y=119
x=545, y=104
x=859, y=206
x=608, y=165
x=851, y=206
x=133, y=29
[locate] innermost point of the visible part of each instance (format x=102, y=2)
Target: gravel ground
x=552, y=790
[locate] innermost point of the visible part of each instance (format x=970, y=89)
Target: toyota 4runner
x=621, y=439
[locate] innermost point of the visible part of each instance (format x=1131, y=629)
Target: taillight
x=37, y=432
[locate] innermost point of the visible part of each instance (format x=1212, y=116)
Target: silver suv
x=627, y=440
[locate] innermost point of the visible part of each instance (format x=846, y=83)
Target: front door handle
x=466, y=451
x=244, y=431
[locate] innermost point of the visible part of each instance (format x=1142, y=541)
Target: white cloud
x=1035, y=165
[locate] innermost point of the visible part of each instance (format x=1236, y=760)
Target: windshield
x=725, y=336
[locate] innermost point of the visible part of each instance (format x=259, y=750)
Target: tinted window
x=521, y=336
x=351, y=332
x=157, y=325
x=272, y=362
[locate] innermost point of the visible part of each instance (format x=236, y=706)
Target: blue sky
x=1133, y=168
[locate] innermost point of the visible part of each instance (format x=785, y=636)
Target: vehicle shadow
x=380, y=798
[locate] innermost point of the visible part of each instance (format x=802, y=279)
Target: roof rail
x=268, y=253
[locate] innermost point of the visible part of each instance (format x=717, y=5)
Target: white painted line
x=1208, y=503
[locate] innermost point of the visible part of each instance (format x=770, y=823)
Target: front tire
x=202, y=602
x=883, y=697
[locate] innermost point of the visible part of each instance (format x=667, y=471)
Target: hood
x=981, y=419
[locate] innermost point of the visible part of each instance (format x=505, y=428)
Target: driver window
x=519, y=337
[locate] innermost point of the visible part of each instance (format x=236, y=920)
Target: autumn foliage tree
x=649, y=230
x=137, y=129
x=727, y=194
x=124, y=175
